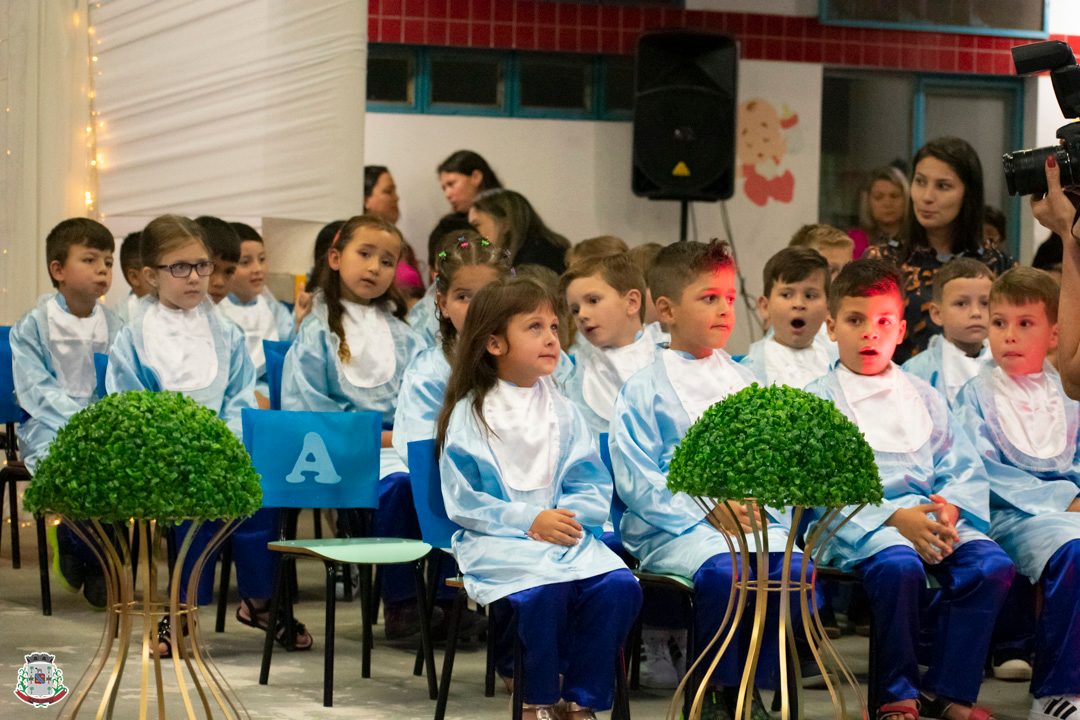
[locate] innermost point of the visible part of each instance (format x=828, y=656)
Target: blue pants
x=255, y=565
x=712, y=587
x=974, y=581
x=578, y=627
x=1014, y=633
x=396, y=517
x=1057, y=634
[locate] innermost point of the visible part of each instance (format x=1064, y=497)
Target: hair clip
x=442, y=254
x=484, y=242
x=463, y=244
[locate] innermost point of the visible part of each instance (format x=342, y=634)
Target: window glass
x=461, y=80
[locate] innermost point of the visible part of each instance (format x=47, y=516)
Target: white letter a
x=314, y=459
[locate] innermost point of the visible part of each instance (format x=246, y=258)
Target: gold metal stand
x=754, y=588
x=133, y=597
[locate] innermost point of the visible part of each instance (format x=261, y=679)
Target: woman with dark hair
x=507, y=218
x=380, y=194
x=944, y=220
x=463, y=176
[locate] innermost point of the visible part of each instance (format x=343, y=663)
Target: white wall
x=577, y=173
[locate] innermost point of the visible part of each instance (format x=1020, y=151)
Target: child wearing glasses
x=52, y=352
x=177, y=341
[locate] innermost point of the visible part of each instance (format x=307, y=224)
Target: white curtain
x=235, y=108
x=44, y=110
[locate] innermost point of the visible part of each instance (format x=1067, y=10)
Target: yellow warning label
x=681, y=170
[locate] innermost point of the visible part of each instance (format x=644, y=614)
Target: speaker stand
x=684, y=211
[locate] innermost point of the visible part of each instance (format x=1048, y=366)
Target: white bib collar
x=525, y=434
x=795, y=367
x=957, y=367
x=256, y=319
x=372, y=360
x=605, y=371
x=888, y=409
x=72, y=342
x=699, y=384
x=1032, y=413
x=179, y=346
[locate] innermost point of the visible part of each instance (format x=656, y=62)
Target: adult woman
x=882, y=208
x=944, y=219
x=506, y=217
x=380, y=194
x=464, y=175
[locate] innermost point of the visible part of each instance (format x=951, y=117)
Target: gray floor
x=295, y=689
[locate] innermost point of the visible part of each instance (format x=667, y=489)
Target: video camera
x=1024, y=173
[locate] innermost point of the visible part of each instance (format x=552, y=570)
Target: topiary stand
x=121, y=472
x=786, y=448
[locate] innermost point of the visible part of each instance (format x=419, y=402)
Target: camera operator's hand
x=1054, y=210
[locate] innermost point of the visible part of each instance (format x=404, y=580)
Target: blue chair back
x=10, y=412
x=436, y=528
x=737, y=358
x=275, y=350
x=101, y=364
x=618, y=507
x=315, y=459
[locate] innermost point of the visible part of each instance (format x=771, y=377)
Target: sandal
x=896, y=711
x=164, y=637
x=573, y=711
x=260, y=618
x=937, y=707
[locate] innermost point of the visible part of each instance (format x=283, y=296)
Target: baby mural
x=761, y=146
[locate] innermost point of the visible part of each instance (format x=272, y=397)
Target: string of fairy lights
x=94, y=158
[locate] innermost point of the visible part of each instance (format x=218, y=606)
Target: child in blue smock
x=131, y=269
x=795, y=303
x=960, y=307
x=52, y=356
x=693, y=286
x=252, y=306
x=350, y=354
x=605, y=295
x=935, y=513
x=1025, y=429
x=523, y=478
x=177, y=341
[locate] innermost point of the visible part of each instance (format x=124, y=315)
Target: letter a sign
x=315, y=460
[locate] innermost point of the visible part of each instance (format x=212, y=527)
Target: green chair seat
x=677, y=581
x=356, y=551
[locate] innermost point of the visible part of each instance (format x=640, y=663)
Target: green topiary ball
x=779, y=445
x=145, y=455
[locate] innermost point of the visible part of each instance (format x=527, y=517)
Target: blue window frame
x=861, y=13
x=447, y=81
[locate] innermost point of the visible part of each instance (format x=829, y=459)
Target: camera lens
x=1025, y=173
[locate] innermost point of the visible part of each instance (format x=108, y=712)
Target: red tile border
x=588, y=27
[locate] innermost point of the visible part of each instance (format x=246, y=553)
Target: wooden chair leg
x=873, y=702
x=448, y=657
x=316, y=519
x=328, y=647
x=43, y=567
x=223, y=586
x=620, y=709
x=635, y=654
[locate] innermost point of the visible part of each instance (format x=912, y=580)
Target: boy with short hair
x=131, y=267
x=934, y=514
x=52, y=355
x=252, y=306
x=604, y=295
x=795, y=302
x=960, y=306
x=834, y=244
x=224, y=246
x=1025, y=429
x=694, y=287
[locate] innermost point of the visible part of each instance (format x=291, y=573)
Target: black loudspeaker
x=684, y=115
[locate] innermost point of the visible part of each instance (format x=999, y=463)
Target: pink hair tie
x=407, y=276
